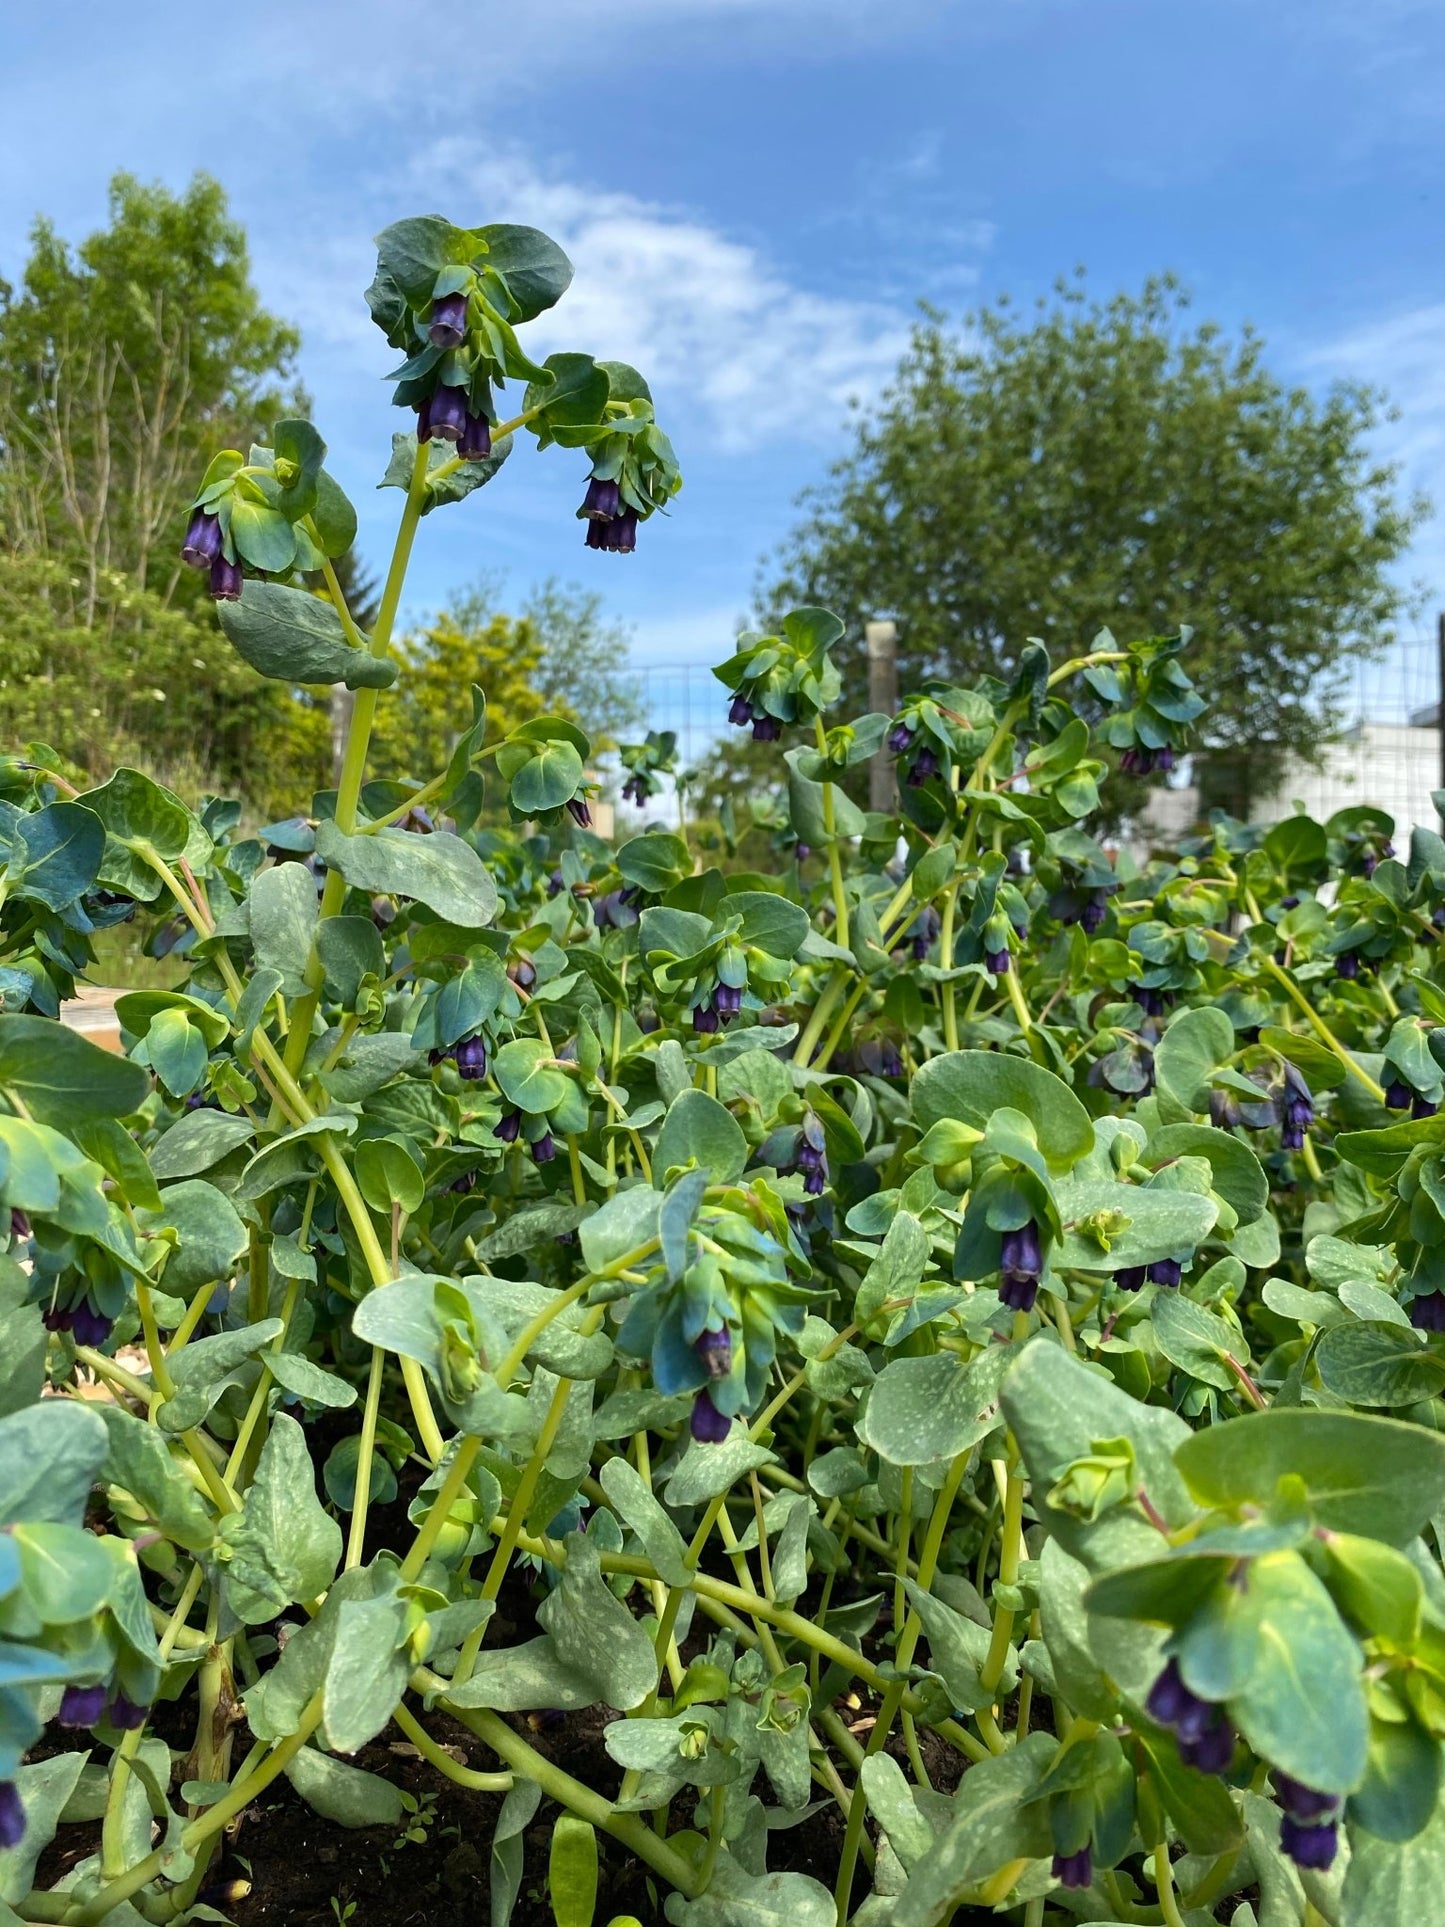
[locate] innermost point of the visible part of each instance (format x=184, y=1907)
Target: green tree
x=559, y=656
x=125, y=363
x=1109, y=464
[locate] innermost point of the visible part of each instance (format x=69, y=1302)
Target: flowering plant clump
x=951, y=1336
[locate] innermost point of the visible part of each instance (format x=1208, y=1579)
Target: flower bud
x=924, y=768
x=740, y=711
x=578, y=811
x=509, y=1127
x=543, y=1149
x=900, y=739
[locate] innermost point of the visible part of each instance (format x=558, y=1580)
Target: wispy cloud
x=729, y=340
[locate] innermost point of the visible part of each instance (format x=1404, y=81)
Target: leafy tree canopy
x=1109, y=463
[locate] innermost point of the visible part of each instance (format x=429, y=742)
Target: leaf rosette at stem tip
x=275, y=511
x=789, y=678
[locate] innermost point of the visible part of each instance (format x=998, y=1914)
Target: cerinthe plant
x=967, y=1278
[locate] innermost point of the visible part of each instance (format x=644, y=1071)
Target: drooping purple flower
x=1165, y=1271
x=715, y=1350
x=1224, y=1111
x=443, y=415
x=1164, y=758
x=203, y=540
x=1347, y=965
x=1074, y=1869
x=12, y=1815
x=523, y=973
x=1296, y=1110
x=1096, y=908
x=636, y=789
x=900, y=739
x=1423, y=1107
x=810, y=1156
x=602, y=501
x=555, y=884
x=227, y=580
x=1309, y=1846
x=543, y=1149
x=998, y=961
x=727, y=1001
x=740, y=711
x=509, y=1127
x=890, y=1064
x=1398, y=1095
x=1021, y=1265
x=474, y=444
x=923, y=768
x=802, y=851
x=619, y=536
x=615, y=910
x=766, y=729
x=1303, y=1802
x=1153, y=1003
x=1206, y=1739
x=922, y=931
x=1132, y=1278
x=1427, y=1311
x=471, y=1058
x=81, y=1705
x=596, y=537
x=89, y=1325
x=705, y=1020
x=448, y=320
x=578, y=811
x=124, y=1714
x=709, y=1425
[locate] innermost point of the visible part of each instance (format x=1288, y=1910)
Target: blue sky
x=756, y=193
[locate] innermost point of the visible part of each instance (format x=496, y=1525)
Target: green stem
x=1321, y=1029
x=361, y=1498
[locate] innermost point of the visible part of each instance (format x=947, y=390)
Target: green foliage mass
x=1032, y=475
x=955, y=1273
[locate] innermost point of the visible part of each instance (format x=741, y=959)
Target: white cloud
x=721, y=332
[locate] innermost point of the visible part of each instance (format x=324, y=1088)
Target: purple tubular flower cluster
x=442, y=416
x=715, y=1350
x=900, y=739
x=580, y=814
x=636, y=789
x=86, y=1324
x=1296, y=1110
x=12, y=1815
x=923, y=768
x=766, y=729
x=1074, y=1869
x=740, y=711
x=811, y=1157
x=727, y=1001
x=709, y=1425
x=509, y=1127
x=1143, y=762
x=1096, y=908
x=1307, y=1832
x=227, y=580
x=615, y=534
x=543, y=1149
x=1398, y=1095
x=998, y=961
x=1427, y=1311
x=448, y=320
x=203, y=540
x=922, y=931
x=1153, y=1003
x=471, y=1058
x=705, y=1020
x=1206, y=1739
x=81, y=1705
x=1347, y=965
x=1132, y=1277
x=1165, y=1271
x=1021, y=1265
